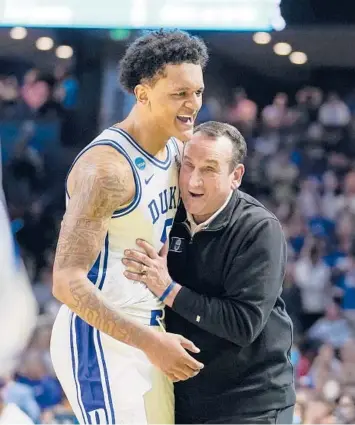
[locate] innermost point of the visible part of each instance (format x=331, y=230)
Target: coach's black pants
x=283, y=416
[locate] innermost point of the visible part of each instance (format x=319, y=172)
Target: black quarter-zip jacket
x=230, y=307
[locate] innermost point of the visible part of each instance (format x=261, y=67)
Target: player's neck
x=146, y=134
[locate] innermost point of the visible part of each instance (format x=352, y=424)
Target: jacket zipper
x=189, y=232
x=202, y=230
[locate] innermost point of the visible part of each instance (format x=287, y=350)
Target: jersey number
x=167, y=227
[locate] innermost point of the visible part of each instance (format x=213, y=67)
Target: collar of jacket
x=219, y=222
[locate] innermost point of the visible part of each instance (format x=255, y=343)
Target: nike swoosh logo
x=148, y=180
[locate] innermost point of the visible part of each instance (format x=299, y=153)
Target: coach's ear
x=140, y=91
x=237, y=176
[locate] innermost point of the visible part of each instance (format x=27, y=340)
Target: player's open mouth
x=186, y=119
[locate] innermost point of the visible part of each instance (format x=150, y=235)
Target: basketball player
x=18, y=308
x=112, y=361
x=18, y=311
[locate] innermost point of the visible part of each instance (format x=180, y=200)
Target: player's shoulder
x=100, y=161
x=102, y=164
x=179, y=146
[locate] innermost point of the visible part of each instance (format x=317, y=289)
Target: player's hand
x=167, y=352
x=148, y=267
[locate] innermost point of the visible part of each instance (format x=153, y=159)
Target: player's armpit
x=101, y=181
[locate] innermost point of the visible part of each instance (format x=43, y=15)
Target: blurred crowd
x=301, y=165
x=36, y=117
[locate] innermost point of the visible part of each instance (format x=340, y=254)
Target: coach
x=222, y=288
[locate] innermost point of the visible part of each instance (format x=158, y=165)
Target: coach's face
x=206, y=175
x=175, y=99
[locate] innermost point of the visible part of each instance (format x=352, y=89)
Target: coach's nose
x=195, y=181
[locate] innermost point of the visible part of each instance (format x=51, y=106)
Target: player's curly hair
x=147, y=56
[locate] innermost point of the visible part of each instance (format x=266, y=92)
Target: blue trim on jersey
x=74, y=367
x=161, y=164
x=113, y=419
x=138, y=194
x=94, y=271
x=101, y=284
x=89, y=375
x=90, y=380
x=178, y=153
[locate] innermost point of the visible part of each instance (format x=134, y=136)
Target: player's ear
x=140, y=91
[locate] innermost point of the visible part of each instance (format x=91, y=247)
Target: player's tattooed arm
x=101, y=181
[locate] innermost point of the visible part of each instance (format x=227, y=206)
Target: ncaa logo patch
x=140, y=163
x=176, y=244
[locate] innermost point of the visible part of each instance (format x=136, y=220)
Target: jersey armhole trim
x=138, y=192
x=178, y=153
x=164, y=165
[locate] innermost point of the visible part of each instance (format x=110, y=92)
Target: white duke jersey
x=148, y=216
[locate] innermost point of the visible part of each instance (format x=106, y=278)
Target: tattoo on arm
x=103, y=182
x=91, y=306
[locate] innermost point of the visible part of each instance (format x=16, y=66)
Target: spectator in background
x=243, y=112
x=29, y=78
x=347, y=357
x=346, y=284
x=344, y=231
x=9, y=95
x=324, y=368
x=319, y=411
x=347, y=199
x=38, y=98
x=330, y=197
x=310, y=99
x=345, y=411
x=66, y=90
x=334, y=113
x=312, y=276
x=275, y=116
x=282, y=174
x=23, y=397
x=211, y=109
x=34, y=374
x=309, y=198
x=331, y=329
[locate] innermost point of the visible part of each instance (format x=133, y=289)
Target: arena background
x=282, y=73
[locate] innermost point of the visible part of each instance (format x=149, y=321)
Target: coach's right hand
x=167, y=352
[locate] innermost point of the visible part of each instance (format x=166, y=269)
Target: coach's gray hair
x=219, y=129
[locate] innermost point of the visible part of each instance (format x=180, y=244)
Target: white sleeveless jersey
x=148, y=216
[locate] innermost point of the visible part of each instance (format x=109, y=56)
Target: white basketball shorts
x=106, y=381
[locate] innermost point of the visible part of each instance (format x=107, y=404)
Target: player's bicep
x=101, y=186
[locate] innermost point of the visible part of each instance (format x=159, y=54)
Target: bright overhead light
x=282, y=49
x=44, y=43
x=262, y=38
x=64, y=52
x=278, y=23
x=298, y=58
x=18, y=33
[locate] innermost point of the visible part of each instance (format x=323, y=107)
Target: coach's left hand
x=149, y=267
